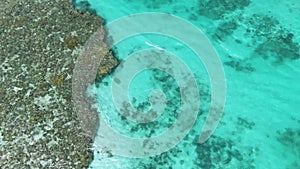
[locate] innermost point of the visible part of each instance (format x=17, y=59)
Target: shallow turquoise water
x=258, y=44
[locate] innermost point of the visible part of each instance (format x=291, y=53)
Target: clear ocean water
x=258, y=43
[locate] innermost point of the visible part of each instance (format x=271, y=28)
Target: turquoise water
x=258, y=44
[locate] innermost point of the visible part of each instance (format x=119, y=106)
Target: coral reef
x=163, y=160
x=279, y=49
x=290, y=139
x=245, y=123
x=85, y=7
x=71, y=41
x=167, y=84
x=156, y=4
x=225, y=29
x=108, y=63
x=270, y=40
x=264, y=34
x=259, y=25
x=216, y=9
x=39, y=128
x=239, y=65
x=273, y=42
x=57, y=79
x=218, y=152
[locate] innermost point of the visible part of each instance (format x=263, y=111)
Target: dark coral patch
x=216, y=9
x=218, y=152
x=239, y=65
x=85, y=7
x=279, y=49
x=71, y=42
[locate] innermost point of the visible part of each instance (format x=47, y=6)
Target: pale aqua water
x=258, y=43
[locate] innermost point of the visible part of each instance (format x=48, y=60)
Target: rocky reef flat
x=40, y=42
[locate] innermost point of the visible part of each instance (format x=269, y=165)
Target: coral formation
x=155, y=4
x=225, y=28
x=240, y=65
x=245, y=123
x=39, y=128
x=216, y=9
x=108, y=63
x=290, y=139
x=273, y=42
x=57, y=79
x=161, y=161
x=85, y=7
x=264, y=33
x=279, y=49
x=259, y=25
x=71, y=42
x=218, y=152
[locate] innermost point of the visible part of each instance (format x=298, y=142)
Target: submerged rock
x=84, y=7
x=216, y=9
x=108, y=63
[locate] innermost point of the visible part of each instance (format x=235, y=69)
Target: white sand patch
x=43, y=102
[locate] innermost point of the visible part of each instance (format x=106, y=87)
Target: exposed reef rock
x=108, y=63
x=39, y=44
